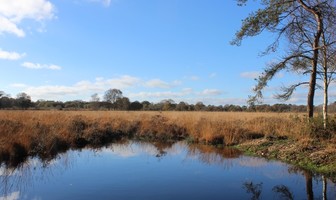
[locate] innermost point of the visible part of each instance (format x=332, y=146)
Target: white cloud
x=250, y=74
x=186, y=94
x=18, y=85
x=187, y=90
x=6, y=55
x=157, y=83
x=211, y=92
x=12, y=12
x=104, y=2
x=99, y=78
x=54, y=67
x=32, y=9
x=121, y=82
x=158, y=95
x=85, y=88
x=79, y=89
x=6, y=26
x=30, y=65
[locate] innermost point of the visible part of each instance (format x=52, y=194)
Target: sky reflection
x=140, y=170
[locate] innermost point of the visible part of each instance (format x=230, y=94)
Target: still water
x=139, y=170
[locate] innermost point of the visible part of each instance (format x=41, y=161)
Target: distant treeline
x=23, y=101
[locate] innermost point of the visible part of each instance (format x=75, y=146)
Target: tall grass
x=45, y=133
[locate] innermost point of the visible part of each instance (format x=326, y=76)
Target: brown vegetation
x=45, y=133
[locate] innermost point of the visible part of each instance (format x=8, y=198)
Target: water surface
x=139, y=170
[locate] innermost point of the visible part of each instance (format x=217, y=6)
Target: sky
x=149, y=49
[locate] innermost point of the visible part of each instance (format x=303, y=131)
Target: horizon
x=150, y=50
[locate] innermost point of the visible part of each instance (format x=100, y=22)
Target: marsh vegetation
x=283, y=136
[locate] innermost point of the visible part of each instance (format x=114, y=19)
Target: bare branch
x=288, y=91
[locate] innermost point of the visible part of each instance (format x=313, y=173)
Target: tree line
x=113, y=99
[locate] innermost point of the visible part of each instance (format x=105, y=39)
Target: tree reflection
x=162, y=148
x=309, y=184
x=324, y=188
x=211, y=155
x=254, y=189
x=283, y=191
x=309, y=177
x=15, y=180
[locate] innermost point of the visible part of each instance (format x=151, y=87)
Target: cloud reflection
x=11, y=196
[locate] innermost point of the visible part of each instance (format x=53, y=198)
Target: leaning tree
x=301, y=23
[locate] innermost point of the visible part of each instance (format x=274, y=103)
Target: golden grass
x=47, y=132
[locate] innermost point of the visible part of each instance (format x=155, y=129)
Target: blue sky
x=150, y=49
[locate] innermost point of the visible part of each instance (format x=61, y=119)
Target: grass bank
x=46, y=133
x=315, y=155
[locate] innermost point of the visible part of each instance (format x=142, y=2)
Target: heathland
x=284, y=136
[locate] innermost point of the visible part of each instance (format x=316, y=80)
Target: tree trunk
x=311, y=93
x=325, y=81
x=315, y=46
x=326, y=84
x=325, y=106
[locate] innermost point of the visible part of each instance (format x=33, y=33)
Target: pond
x=141, y=170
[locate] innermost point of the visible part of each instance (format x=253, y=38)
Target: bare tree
x=302, y=24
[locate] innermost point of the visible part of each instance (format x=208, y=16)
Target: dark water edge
x=143, y=170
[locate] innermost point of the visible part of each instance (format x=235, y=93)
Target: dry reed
x=45, y=133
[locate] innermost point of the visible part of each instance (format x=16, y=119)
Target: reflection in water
x=11, y=196
x=16, y=180
x=324, y=189
x=309, y=185
x=212, y=155
x=131, y=149
x=140, y=170
x=283, y=191
x=254, y=189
